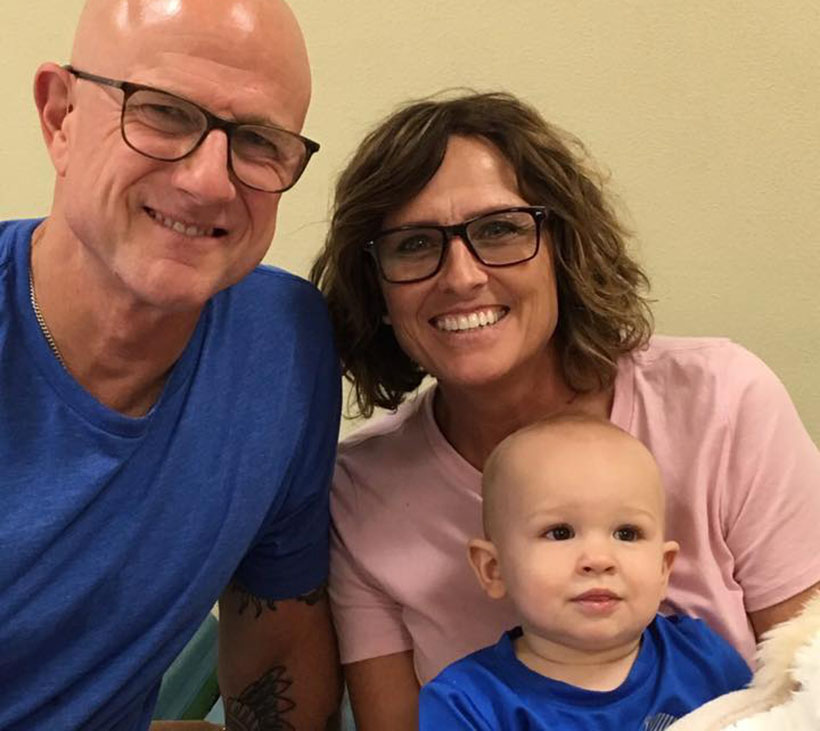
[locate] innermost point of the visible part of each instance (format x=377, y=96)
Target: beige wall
x=705, y=113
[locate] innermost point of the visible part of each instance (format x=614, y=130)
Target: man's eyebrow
x=254, y=119
x=257, y=121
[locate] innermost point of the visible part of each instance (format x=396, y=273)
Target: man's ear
x=484, y=560
x=52, y=95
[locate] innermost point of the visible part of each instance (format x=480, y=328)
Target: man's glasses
x=167, y=127
x=498, y=239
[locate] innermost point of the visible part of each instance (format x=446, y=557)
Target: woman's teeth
x=481, y=318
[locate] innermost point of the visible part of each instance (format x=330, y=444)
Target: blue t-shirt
x=117, y=534
x=681, y=664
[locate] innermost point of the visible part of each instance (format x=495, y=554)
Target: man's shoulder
x=12, y=233
x=271, y=308
x=6, y=237
x=267, y=285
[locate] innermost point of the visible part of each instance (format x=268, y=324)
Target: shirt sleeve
x=289, y=557
x=444, y=706
x=772, y=507
x=368, y=621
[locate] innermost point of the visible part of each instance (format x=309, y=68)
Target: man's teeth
x=180, y=227
x=474, y=320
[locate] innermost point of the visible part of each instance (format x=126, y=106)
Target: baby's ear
x=484, y=560
x=670, y=552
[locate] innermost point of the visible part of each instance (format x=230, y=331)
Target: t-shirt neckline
x=451, y=460
x=522, y=677
x=63, y=383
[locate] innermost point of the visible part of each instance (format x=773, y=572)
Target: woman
x=470, y=242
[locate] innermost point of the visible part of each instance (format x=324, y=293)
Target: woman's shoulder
x=392, y=433
x=699, y=362
x=377, y=463
x=703, y=352
x=696, y=381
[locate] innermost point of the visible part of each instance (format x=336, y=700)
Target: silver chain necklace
x=41, y=320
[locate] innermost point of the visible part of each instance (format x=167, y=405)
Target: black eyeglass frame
x=540, y=215
x=213, y=122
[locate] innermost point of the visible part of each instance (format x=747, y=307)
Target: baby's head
x=574, y=532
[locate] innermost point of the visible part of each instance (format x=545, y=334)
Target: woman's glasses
x=498, y=239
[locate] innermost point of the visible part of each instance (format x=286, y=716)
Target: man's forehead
x=216, y=89
x=249, y=46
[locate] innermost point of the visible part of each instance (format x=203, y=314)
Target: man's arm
x=278, y=662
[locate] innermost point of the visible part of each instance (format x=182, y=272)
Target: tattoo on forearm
x=262, y=705
x=315, y=596
x=246, y=599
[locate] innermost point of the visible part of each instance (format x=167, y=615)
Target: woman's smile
x=468, y=321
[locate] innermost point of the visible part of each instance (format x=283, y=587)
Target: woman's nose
x=461, y=272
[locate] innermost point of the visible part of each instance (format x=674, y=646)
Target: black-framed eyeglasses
x=164, y=126
x=497, y=239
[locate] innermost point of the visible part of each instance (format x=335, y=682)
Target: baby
x=574, y=536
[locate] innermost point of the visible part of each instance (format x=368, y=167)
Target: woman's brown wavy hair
x=602, y=309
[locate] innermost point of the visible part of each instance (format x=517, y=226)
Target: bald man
x=168, y=408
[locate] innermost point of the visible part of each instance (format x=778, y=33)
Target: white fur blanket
x=784, y=694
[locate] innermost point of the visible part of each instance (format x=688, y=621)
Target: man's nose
x=461, y=272
x=204, y=173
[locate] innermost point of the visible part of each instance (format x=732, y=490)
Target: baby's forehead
x=558, y=441
x=571, y=462
x=582, y=502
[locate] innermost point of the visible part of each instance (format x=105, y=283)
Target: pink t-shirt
x=742, y=478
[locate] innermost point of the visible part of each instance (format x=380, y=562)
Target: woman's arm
x=772, y=508
x=384, y=692
x=764, y=619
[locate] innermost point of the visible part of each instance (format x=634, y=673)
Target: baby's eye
x=559, y=533
x=628, y=533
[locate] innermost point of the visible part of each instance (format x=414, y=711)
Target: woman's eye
x=559, y=533
x=628, y=533
x=414, y=245
x=497, y=229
